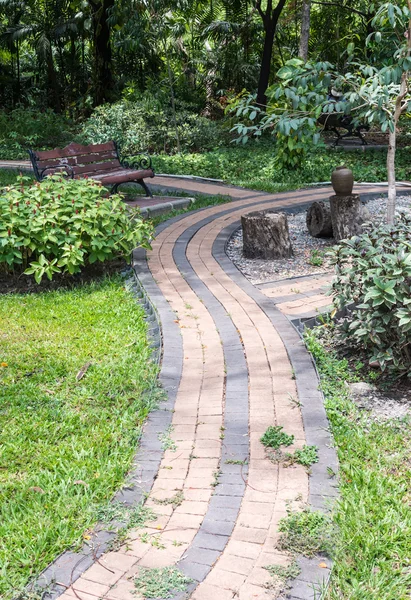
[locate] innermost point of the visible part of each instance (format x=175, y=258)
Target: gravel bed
x=307, y=250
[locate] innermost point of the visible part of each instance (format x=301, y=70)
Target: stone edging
x=69, y=565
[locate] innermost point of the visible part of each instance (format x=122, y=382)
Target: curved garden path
x=233, y=364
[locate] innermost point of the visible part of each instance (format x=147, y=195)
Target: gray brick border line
x=69, y=565
x=312, y=579
x=219, y=521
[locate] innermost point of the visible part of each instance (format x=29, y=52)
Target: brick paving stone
x=90, y=587
x=254, y=592
x=124, y=589
x=225, y=579
x=103, y=575
x=236, y=564
x=249, y=534
x=192, y=507
x=206, y=591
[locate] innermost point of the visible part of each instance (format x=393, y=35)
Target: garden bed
x=309, y=252
x=76, y=376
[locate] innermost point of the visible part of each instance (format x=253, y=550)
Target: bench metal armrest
x=140, y=160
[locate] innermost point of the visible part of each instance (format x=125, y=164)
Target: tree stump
x=266, y=235
x=347, y=216
x=319, y=222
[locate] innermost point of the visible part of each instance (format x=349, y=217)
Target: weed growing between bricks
x=275, y=437
x=160, y=583
x=282, y=574
x=306, y=532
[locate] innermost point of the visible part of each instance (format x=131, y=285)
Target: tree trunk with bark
x=270, y=17
x=266, y=235
x=305, y=30
x=318, y=220
x=103, y=82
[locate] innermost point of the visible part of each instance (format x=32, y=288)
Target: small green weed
x=167, y=443
x=236, y=462
x=132, y=516
x=175, y=500
x=306, y=456
x=275, y=437
x=281, y=574
x=306, y=532
x=160, y=583
x=316, y=258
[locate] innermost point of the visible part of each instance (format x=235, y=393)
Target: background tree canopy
x=73, y=55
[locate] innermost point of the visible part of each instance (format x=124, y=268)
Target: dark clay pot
x=342, y=180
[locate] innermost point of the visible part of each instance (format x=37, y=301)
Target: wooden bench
x=98, y=161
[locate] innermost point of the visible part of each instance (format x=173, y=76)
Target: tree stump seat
x=266, y=235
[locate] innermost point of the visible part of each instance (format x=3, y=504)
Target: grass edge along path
x=372, y=515
x=67, y=438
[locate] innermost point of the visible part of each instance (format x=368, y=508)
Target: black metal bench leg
x=145, y=188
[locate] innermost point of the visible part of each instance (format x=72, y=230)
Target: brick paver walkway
x=243, y=368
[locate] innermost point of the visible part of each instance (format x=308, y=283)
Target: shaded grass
x=65, y=445
x=373, y=516
x=253, y=166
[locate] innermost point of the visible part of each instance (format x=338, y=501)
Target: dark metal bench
x=334, y=122
x=98, y=161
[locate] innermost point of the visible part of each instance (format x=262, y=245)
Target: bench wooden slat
x=96, y=167
x=97, y=161
x=74, y=150
x=77, y=160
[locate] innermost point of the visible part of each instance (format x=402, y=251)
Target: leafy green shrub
x=30, y=128
x=374, y=272
x=136, y=127
x=58, y=226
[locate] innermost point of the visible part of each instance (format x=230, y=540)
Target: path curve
x=232, y=365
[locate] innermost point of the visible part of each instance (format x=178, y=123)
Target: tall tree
x=103, y=81
x=270, y=16
x=305, y=30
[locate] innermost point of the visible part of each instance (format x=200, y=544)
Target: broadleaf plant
x=373, y=273
x=59, y=226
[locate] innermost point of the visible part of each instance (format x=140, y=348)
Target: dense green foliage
x=137, y=126
x=373, y=272
x=66, y=443
x=371, y=553
x=255, y=166
x=29, y=128
x=59, y=225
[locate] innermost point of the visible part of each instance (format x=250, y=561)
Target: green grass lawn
x=66, y=444
x=373, y=516
x=253, y=166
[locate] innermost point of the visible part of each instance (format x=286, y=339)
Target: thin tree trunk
x=305, y=30
x=400, y=106
x=103, y=77
x=173, y=100
x=392, y=193
x=265, y=65
x=270, y=19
